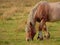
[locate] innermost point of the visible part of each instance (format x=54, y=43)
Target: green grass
x=10, y=36
x=13, y=15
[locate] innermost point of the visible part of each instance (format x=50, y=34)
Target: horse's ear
x=30, y=23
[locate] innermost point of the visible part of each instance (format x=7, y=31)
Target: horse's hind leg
x=46, y=33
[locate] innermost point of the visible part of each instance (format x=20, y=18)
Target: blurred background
x=14, y=14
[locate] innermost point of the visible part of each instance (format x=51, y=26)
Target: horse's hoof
x=40, y=38
x=48, y=36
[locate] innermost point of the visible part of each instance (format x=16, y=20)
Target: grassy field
x=13, y=15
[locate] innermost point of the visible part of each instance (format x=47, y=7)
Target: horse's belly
x=54, y=13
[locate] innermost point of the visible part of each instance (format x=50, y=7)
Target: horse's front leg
x=46, y=33
x=40, y=35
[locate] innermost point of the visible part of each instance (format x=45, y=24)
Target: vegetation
x=13, y=15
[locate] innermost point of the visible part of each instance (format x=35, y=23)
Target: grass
x=13, y=15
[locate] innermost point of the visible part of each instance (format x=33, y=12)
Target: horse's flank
x=54, y=14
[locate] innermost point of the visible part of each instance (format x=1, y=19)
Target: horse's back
x=54, y=13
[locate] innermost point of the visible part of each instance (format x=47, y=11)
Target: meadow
x=13, y=15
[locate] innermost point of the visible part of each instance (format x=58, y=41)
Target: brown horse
x=43, y=12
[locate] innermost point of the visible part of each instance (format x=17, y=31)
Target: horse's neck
x=31, y=18
x=32, y=14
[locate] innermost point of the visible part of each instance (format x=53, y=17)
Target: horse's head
x=30, y=31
